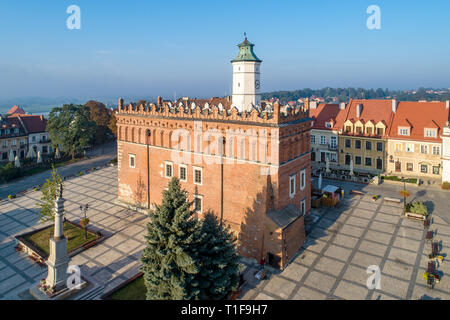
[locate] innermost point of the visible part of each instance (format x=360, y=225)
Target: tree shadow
x=427, y=297
x=430, y=206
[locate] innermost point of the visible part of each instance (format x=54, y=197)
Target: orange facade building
x=250, y=167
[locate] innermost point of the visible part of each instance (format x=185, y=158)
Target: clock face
x=257, y=84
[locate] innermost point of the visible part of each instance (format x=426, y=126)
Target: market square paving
x=332, y=264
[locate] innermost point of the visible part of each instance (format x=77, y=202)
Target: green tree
x=71, y=128
x=170, y=259
x=219, y=260
x=100, y=115
x=49, y=191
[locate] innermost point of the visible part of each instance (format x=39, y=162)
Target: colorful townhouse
x=415, y=139
x=363, y=132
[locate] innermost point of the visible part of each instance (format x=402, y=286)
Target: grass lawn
x=135, y=290
x=74, y=235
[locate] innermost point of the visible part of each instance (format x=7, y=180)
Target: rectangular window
x=358, y=160
x=132, y=161
x=5, y=143
x=409, y=147
x=368, y=145
x=198, y=176
x=403, y=132
x=348, y=143
x=13, y=142
x=303, y=207
x=368, y=162
x=369, y=130
x=348, y=129
x=33, y=138
x=398, y=147
x=333, y=142
x=183, y=173
x=313, y=139
x=424, y=168
x=303, y=179
x=409, y=166
x=424, y=149
x=292, y=186
x=347, y=159
x=169, y=170
x=436, y=150
x=380, y=131
x=323, y=140
x=357, y=144
x=430, y=133
x=358, y=130
x=379, y=146
x=435, y=170
x=333, y=157
x=379, y=164
x=198, y=203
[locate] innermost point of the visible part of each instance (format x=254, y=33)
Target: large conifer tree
x=170, y=260
x=218, y=260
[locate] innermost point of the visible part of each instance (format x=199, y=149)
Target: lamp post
x=221, y=179
x=404, y=193
x=148, y=134
x=85, y=221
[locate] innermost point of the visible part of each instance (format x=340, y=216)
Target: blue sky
x=149, y=48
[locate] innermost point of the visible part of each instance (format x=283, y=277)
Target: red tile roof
x=325, y=113
x=373, y=110
x=16, y=110
x=420, y=115
x=33, y=123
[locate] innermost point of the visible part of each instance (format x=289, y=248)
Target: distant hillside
x=344, y=94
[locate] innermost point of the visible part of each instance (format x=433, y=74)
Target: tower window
x=169, y=171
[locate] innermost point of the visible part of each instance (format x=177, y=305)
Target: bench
x=434, y=249
x=396, y=200
x=261, y=274
x=431, y=267
x=357, y=192
x=429, y=235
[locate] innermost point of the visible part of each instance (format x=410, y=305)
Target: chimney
x=342, y=106
x=447, y=104
x=358, y=110
x=313, y=105
x=394, y=105
x=159, y=101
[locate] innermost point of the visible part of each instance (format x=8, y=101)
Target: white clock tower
x=246, y=78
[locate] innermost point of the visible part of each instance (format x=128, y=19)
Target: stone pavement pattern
x=107, y=264
x=344, y=241
x=341, y=244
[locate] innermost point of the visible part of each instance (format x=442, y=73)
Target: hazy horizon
x=146, y=49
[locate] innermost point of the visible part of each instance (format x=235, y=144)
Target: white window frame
x=397, y=145
x=333, y=142
x=292, y=182
x=403, y=131
x=303, y=206
x=323, y=140
x=423, y=148
x=182, y=166
x=409, y=147
x=302, y=179
x=197, y=196
x=438, y=149
x=132, y=156
x=168, y=163
x=201, y=175
x=313, y=139
x=430, y=133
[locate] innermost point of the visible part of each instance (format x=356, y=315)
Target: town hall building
x=238, y=157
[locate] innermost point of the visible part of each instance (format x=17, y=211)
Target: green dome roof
x=246, y=52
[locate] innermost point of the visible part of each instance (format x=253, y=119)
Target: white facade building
x=446, y=153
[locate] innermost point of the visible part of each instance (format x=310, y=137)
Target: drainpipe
x=148, y=169
x=221, y=180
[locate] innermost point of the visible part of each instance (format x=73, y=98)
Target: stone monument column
x=58, y=260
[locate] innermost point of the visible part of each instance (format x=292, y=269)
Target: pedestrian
x=262, y=263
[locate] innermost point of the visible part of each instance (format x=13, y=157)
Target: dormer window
x=328, y=125
x=348, y=129
x=403, y=131
x=430, y=133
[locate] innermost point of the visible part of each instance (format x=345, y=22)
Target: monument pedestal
x=64, y=293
